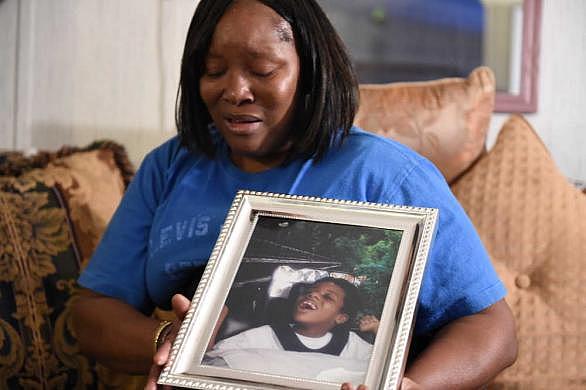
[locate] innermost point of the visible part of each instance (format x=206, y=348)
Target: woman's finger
x=162, y=354
x=180, y=305
x=348, y=386
x=159, y=360
x=408, y=384
x=154, y=372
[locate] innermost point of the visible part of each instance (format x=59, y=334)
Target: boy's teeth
x=309, y=305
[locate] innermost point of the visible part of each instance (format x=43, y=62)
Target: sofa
x=54, y=207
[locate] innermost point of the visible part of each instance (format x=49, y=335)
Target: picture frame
x=285, y=264
x=421, y=40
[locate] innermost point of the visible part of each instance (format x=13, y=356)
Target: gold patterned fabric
x=91, y=180
x=38, y=268
x=533, y=223
x=53, y=210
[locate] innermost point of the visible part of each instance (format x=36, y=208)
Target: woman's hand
x=348, y=386
x=406, y=384
x=180, y=306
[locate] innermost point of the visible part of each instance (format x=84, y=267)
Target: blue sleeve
x=459, y=279
x=117, y=267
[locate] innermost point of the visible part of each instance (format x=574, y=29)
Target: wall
x=75, y=71
x=8, y=65
x=72, y=72
x=560, y=119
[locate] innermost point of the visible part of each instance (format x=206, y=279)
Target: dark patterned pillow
x=53, y=210
x=91, y=180
x=39, y=265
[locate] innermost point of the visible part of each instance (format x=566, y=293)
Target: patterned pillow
x=533, y=223
x=91, y=180
x=48, y=201
x=445, y=120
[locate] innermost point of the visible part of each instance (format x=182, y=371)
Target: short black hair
x=327, y=91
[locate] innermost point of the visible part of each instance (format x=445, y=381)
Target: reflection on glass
x=306, y=300
x=416, y=40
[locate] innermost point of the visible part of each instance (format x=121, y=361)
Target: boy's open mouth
x=307, y=305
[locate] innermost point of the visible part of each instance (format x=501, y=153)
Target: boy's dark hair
x=352, y=300
x=327, y=92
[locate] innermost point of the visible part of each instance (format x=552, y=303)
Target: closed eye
x=214, y=73
x=263, y=74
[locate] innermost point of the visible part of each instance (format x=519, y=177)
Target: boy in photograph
x=318, y=331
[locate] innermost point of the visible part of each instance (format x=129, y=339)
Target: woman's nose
x=237, y=90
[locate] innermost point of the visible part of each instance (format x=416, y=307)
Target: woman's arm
x=113, y=332
x=180, y=305
x=468, y=352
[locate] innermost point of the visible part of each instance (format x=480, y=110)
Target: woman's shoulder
x=383, y=170
x=170, y=157
x=361, y=141
x=167, y=152
x=375, y=153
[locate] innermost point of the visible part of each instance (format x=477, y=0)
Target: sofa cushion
x=533, y=223
x=91, y=180
x=444, y=120
x=47, y=201
x=38, y=267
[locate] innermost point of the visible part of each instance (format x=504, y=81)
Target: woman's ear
x=341, y=318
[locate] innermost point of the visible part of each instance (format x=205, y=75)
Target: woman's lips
x=242, y=124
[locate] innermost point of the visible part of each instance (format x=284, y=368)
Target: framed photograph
x=420, y=40
x=305, y=293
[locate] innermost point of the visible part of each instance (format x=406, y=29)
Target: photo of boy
x=316, y=340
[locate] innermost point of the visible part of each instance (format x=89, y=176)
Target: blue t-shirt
x=172, y=212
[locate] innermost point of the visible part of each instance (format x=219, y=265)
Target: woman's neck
x=257, y=164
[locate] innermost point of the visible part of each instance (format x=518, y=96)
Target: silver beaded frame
x=388, y=359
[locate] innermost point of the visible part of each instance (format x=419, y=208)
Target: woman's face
x=249, y=84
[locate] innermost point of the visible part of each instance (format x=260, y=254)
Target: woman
x=266, y=102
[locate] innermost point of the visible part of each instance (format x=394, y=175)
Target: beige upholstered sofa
x=54, y=207
x=531, y=220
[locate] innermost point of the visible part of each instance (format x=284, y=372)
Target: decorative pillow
x=533, y=223
x=40, y=261
x=91, y=180
x=444, y=120
x=39, y=265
